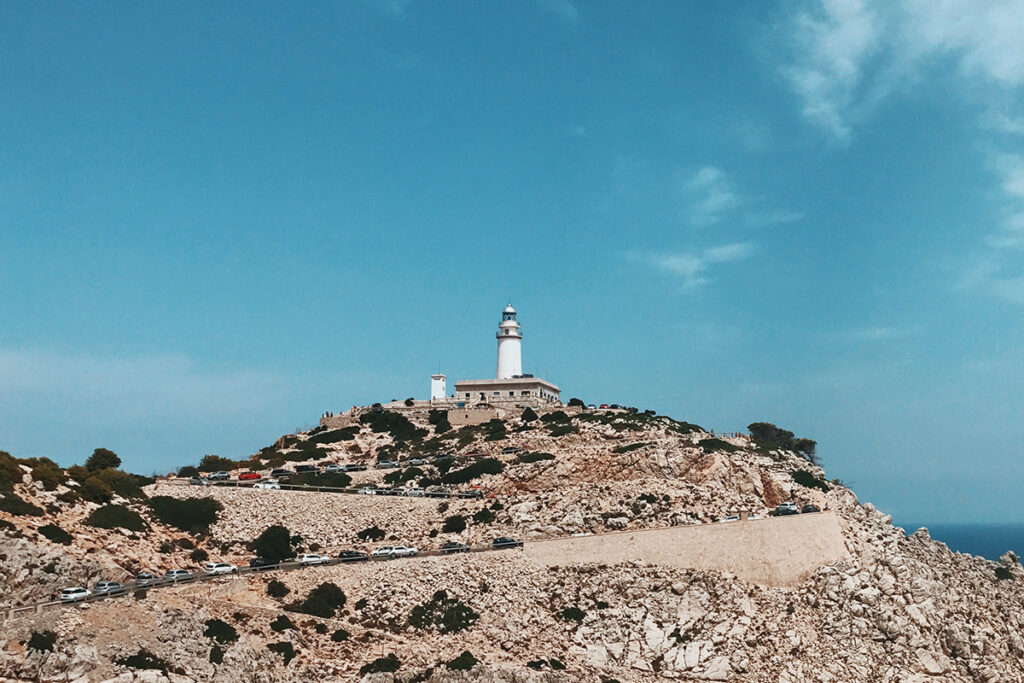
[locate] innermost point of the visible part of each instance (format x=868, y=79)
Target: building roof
x=470, y=384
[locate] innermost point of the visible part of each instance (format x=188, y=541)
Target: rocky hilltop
x=893, y=607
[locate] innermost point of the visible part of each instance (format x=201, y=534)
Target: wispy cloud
x=396, y=9
x=563, y=9
x=877, y=333
x=692, y=267
x=709, y=194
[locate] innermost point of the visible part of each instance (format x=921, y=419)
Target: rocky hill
x=895, y=608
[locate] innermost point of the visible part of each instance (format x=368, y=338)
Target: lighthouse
x=510, y=353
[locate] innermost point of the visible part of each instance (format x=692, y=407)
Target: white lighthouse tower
x=510, y=353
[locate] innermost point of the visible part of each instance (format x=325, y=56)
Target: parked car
x=267, y=485
x=452, y=547
x=178, y=575
x=353, y=556
x=329, y=469
x=218, y=476
x=506, y=542
x=216, y=568
x=146, y=579
x=389, y=491
x=472, y=493
x=730, y=518
x=198, y=481
x=249, y=476
x=437, y=492
x=390, y=552
x=413, y=492
x=386, y=465
x=783, y=509
x=603, y=406
x=262, y=564
x=509, y=449
x=810, y=507
x=353, y=467
x=74, y=594
x=108, y=588
x=368, y=491
x=281, y=473
x=416, y=462
x=307, y=469
x=313, y=558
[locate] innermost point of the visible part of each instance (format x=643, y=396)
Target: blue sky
x=215, y=225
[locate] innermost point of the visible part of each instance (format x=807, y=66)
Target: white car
x=413, y=492
x=368, y=491
x=388, y=552
x=267, y=485
x=332, y=468
x=215, y=568
x=75, y=594
x=313, y=558
x=730, y=518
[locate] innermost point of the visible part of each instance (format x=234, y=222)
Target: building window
x=496, y=393
x=524, y=393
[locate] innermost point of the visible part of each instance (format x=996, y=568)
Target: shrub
x=221, y=631
x=116, y=517
x=144, y=659
x=275, y=544
x=285, y=649
x=10, y=473
x=572, y=614
x=437, y=416
x=46, y=472
x=474, y=470
x=483, y=516
x=713, y=444
x=805, y=478
x=371, y=533
x=533, y=457
x=188, y=471
x=443, y=614
x=387, y=664
x=463, y=662
x=95, y=490
x=340, y=635
x=14, y=504
x=56, y=534
x=193, y=515
x=529, y=415
x=335, y=435
x=277, y=589
x=495, y=430
x=555, y=416
x=442, y=427
x=576, y=403
x=536, y=663
x=361, y=604
x=216, y=654
x=628, y=447
x=1003, y=573
x=555, y=664
x=41, y=641
x=323, y=601
x=199, y=555
x=338, y=480
x=454, y=524
x=562, y=429
x=215, y=463
x=282, y=623
x=102, y=459
x=396, y=424
x=808, y=449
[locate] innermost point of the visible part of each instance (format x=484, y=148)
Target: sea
x=987, y=540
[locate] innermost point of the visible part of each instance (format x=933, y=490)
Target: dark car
x=444, y=456
x=281, y=472
x=451, y=547
x=218, y=476
x=506, y=542
x=305, y=469
x=474, y=493
x=353, y=556
x=437, y=493
x=509, y=449
x=809, y=508
x=261, y=564
x=353, y=467
x=386, y=465
x=389, y=491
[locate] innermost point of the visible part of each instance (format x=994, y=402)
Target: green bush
x=533, y=456
x=144, y=659
x=463, y=662
x=102, y=459
x=215, y=463
x=10, y=473
x=338, y=480
x=323, y=601
x=335, y=435
x=194, y=515
x=576, y=403
x=275, y=544
x=116, y=517
x=14, y=504
x=277, y=589
x=41, y=641
x=454, y=524
x=562, y=429
x=555, y=416
x=371, y=533
x=199, y=555
x=442, y=427
x=483, y=516
x=282, y=623
x=285, y=649
x=47, y=472
x=340, y=635
x=435, y=417
x=388, y=664
x=476, y=469
x=216, y=654
x=805, y=478
x=628, y=447
x=572, y=614
x=495, y=430
x=443, y=614
x=188, y=471
x=221, y=631
x=711, y=445
x=555, y=664
x=1003, y=573
x=396, y=424
x=55, y=534
x=529, y=415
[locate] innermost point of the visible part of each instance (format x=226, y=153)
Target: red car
x=249, y=476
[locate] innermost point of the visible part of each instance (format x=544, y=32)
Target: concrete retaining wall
x=779, y=551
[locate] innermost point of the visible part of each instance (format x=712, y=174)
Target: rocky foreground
x=899, y=608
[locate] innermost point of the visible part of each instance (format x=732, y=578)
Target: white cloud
x=563, y=9
x=710, y=194
x=879, y=333
x=692, y=267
